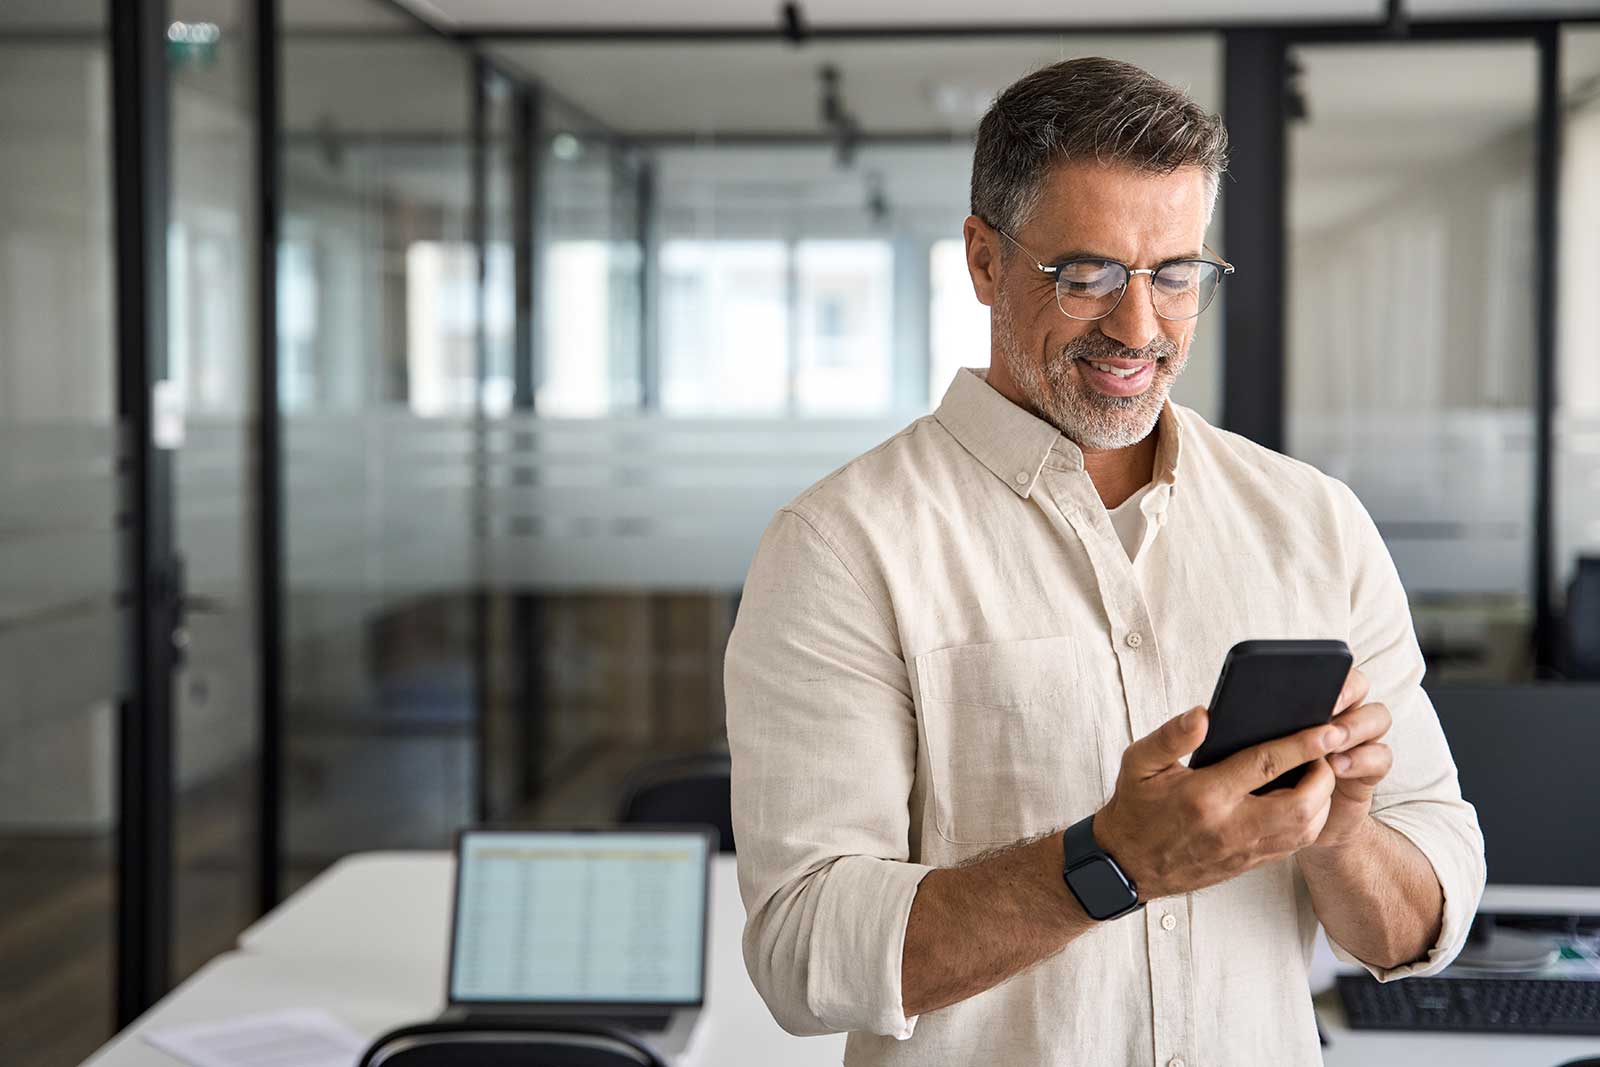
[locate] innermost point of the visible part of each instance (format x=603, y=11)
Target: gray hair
x=1087, y=109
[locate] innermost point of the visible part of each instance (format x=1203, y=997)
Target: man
x=968, y=653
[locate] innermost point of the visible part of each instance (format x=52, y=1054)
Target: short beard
x=1059, y=394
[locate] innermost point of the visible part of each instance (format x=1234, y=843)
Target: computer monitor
x=582, y=919
x=1528, y=757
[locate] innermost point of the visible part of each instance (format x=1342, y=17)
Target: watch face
x=1100, y=888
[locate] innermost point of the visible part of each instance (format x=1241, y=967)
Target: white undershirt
x=1128, y=519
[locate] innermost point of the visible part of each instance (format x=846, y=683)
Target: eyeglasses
x=1088, y=289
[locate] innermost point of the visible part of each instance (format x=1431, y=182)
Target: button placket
x=1145, y=695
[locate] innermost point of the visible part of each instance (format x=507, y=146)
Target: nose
x=1134, y=323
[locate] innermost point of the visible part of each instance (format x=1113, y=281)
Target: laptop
x=597, y=925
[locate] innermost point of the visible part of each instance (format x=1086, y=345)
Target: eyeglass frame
x=1055, y=273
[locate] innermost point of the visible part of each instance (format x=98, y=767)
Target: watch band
x=1094, y=878
x=1078, y=844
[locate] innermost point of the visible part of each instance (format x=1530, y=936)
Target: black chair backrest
x=682, y=789
x=514, y=1043
x=1583, y=618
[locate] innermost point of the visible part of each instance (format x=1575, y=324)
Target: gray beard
x=1062, y=398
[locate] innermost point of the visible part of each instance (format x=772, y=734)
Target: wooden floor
x=57, y=929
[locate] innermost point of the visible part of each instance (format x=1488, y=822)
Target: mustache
x=1099, y=346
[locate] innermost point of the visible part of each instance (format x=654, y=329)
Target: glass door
x=212, y=328
x=1411, y=339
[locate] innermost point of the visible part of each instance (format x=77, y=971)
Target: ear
x=983, y=258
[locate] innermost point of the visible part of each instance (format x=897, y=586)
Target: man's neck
x=1118, y=473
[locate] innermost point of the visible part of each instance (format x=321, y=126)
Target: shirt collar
x=1015, y=444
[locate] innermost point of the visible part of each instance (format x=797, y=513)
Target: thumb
x=1167, y=743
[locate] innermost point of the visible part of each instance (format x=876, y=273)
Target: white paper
x=273, y=1039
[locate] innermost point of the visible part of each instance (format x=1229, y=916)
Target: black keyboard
x=1503, y=1005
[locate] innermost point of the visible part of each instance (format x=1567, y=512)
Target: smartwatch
x=1102, y=887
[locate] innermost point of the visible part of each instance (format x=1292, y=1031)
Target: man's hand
x=1175, y=830
x=1359, y=764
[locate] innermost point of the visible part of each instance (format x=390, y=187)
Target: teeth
x=1114, y=370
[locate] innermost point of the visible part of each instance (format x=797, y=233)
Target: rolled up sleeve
x=823, y=735
x=1421, y=796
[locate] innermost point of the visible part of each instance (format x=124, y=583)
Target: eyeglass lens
x=1091, y=289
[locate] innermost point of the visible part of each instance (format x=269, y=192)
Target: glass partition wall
x=378, y=384
x=212, y=256
x=61, y=448
x=1411, y=357
x=1576, y=474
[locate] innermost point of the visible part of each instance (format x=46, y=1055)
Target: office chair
x=682, y=789
x=509, y=1043
x=1583, y=619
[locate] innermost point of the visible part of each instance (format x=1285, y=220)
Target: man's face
x=1044, y=360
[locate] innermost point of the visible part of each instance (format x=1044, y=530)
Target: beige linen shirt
x=943, y=648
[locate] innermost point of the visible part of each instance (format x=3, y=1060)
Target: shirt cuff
x=1459, y=867
x=858, y=941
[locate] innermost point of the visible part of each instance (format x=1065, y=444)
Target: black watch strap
x=1100, y=885
x=1078, y=844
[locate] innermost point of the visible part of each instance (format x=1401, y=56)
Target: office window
x=441, y=327
x=958, y=328
x=577, y=332
x=845, y=310
x=724, y=327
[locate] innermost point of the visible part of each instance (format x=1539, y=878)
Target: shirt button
x=1134, y=640
x=1176, y=1061
x=1168, y=921
x=1022, y=477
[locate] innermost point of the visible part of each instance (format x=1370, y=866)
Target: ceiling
x=895, y=86
x=645, y=14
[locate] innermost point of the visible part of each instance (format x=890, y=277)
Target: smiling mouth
x=1121, y=372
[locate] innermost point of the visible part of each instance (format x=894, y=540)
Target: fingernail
x=1341, y=762
x=1191, y=718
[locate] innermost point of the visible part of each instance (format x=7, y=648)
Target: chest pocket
x=1012, y=749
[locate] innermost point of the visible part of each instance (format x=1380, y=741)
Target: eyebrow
x=1084, y=253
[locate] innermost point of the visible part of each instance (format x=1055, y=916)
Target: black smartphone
x=1270, y=689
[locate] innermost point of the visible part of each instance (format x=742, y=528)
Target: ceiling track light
x=1295, y=106
x=844, y=126
x=877, y=200
x=792, y=24
x=1396, y=22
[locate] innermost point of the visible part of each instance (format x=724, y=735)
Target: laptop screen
x=580, y=917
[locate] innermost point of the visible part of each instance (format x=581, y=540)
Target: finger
x=1371, y=761
x=1288, y=815
x=1354, y=692
x=1253, y=767
x=1166, y=744
x=1366, y=722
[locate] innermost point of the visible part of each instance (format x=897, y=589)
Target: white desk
x=367, y=941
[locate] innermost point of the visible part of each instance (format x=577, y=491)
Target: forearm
x=1378, y=896
x=972, y=927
